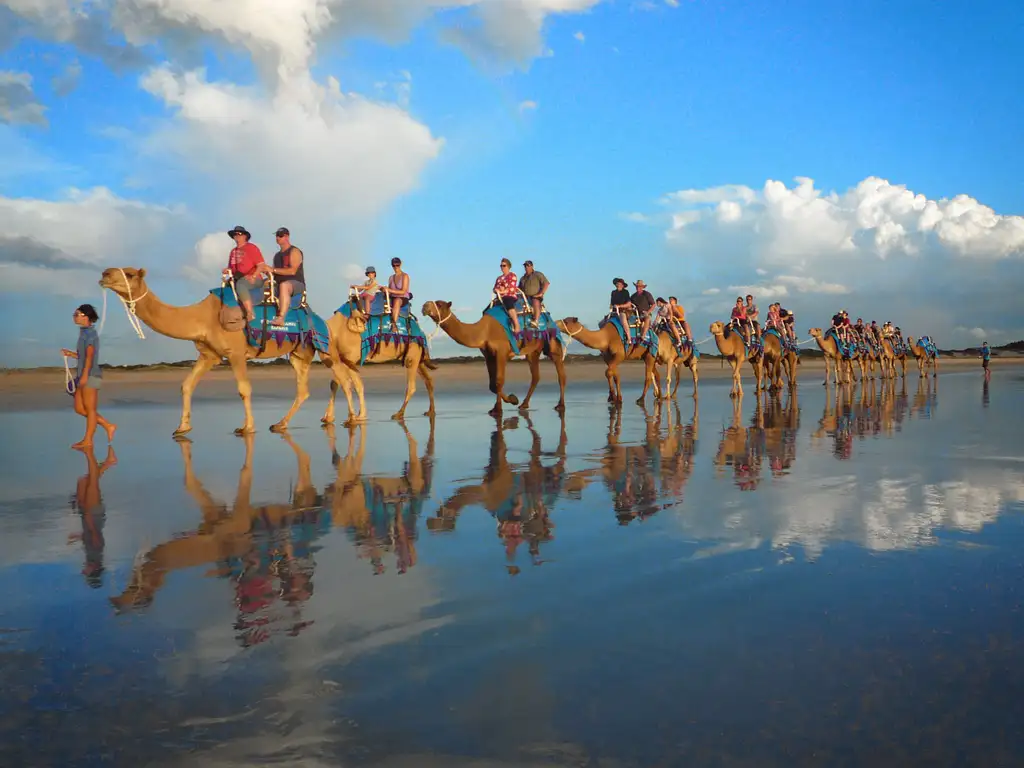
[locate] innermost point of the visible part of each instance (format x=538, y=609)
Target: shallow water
x=828, y=580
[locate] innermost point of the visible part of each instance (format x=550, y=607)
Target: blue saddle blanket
x=649, y=341
x=684, y=346
x=379, y=331
x=301, y=324
x=926, y=343
x=846, y=350
x=754, y=346
x=788, y=345
x=546, y=330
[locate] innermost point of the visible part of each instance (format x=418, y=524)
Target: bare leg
x=396, y=308
x=514, y=317
x=284, y=300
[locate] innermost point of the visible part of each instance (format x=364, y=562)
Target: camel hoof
x=732, y=395
x=181, y=431
x=524, y=406
x=560, y=407
x=512, y=400
x=400, y=416
x=242, y=431
x=278, y=428
x=495, y=412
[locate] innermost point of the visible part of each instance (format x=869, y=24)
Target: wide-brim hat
x=239, y=230
x=618, y=280
x=640, y=283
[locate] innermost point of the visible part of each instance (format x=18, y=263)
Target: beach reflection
x=87, y=501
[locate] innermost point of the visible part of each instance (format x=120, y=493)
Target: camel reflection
x=87, y=501
x=519, y=496
x=265, y=551
x=925, y=398
x=380, y=514
x=860, y=411
x=646, y=478
x=771, y=435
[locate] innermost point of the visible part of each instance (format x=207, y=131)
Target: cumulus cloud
x=527, y=106
x=18, y=102
x=67, y=81
x=580, y=36
x=891, y=250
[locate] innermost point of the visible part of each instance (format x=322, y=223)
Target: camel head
x=437, y=310
x=910, y=341
x=124, y=281
x=564, y=324
x=717, y=328
x=815, y=332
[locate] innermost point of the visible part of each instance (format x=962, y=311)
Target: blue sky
x=556, y=130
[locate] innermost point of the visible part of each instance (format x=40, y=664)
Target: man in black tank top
x=289, y=272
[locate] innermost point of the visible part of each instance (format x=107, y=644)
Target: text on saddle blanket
x=301, y=324
x=379, y=330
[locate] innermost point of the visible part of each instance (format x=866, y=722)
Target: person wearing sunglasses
x=89, y=376
x=507, y=288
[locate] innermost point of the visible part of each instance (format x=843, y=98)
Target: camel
x=487, y=335
x=608, y=342
x=777, y=360
x=892, y=356
x=346, y=342
x=924, y=357
x=733, y=350
x=834, y=359
x=225, y=533
x=200, y=324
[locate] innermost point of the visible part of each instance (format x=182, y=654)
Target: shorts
x=509, y=302
x=94, y=382
x=249, y=290
x=984, y=364
x=297, y=286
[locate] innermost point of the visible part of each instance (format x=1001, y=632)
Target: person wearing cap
x=289, y=271
x=368, y=290
x=507, y=287
x=534, y=285
x=753, y=316
x=244, y=266
x=644, y=303
x=397, y=290
x=788, y=321
x=621, y=305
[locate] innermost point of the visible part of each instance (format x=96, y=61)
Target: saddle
x=300, y=322
x=756, y=343
x=379, y=329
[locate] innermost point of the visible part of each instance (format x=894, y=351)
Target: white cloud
x=67, y=81
x=884, y=245
x=979, y=333
x=760, y=291
x=18, y=102
x=526, y=106
x=636, y=217
x=580, y=36
x=672, y=3
x=711, y=292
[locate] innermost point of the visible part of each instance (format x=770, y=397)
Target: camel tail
x=429, y=364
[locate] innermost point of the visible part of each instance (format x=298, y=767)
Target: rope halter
x=129, y=305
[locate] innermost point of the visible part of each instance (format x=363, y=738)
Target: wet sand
x=44, y=388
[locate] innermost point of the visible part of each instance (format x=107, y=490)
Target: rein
x=129, y=305
x=433, y=334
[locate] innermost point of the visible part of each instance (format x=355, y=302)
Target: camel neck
x=183, y=323
x=467, y=334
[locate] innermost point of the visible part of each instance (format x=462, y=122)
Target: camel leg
x=205, y=362
x=650, y=372
x=428, y=383
x=828, y=360
x=556, y=358
x=533, y=360
x=935, y=366
x=693, y=370
x=496, y=367
x=737, y=384
x=301, y=367
x=341, y=379
x=668, y=379
x=360, y=417
x=609, y=373
x=244, y=391
x=410, y=385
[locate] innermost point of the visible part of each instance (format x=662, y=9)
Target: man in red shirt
x=244, y=266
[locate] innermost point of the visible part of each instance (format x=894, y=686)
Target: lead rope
x=70, y=385
x=433, y=334
x=129, y=306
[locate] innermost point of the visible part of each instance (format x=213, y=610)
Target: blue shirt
x=986, y=353
x=88, y=337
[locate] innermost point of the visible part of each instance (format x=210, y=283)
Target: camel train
x=350, y=338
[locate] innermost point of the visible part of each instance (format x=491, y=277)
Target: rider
x=644, y=303
x=397, y=290
x=621, y=305
x=753, y=316
x=507, y=287
x=534, y=285
x=244, y=266
x=774, y=320
x=876, y=332
x=739, y=319
x=837, y=325
x=788, y=321
x=679, y=316
x=899, y=336
x=368, y=290
x=288, y=265
x=859, y=331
